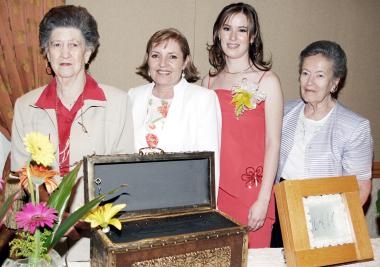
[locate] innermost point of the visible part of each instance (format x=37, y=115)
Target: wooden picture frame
x=322, y=221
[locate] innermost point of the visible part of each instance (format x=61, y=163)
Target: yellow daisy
x=40, y=147
x=103, y=216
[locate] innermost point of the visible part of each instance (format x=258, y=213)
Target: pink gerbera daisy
x=33, y=216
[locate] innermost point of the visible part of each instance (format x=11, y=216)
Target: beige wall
x=287, y=27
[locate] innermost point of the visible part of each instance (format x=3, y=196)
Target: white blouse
x=305, y=131
x=157, y=111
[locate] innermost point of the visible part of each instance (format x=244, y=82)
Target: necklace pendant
x=238, y=72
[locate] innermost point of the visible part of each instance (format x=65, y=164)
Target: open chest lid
x=157, y=184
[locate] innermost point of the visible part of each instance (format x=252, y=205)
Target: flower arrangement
x=246, y=96
x=42, y=222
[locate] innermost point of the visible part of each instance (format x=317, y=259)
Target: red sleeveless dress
x=241, y=166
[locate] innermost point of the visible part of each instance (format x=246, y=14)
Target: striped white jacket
x=343, y=146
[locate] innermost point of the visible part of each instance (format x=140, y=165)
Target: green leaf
x=73, y=218
x=25, y=245
x=6, y=206
x=239, y=110
x=60, y=197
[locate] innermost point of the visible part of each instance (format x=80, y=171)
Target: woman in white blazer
x=170, y=112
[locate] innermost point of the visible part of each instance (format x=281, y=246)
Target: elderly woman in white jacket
x=80, y=116
x=171, y=113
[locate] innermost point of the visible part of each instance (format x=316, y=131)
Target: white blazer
x=193, y=122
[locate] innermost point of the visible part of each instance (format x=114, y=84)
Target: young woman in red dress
x=251, y=102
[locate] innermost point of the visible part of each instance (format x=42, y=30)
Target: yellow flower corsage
x=246, y=96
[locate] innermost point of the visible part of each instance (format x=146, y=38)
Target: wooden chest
x=170, y=218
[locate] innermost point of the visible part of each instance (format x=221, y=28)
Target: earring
x=183, y=74
x=48, y=69
x=333, y=90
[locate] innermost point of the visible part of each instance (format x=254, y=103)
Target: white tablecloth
x=273, y=257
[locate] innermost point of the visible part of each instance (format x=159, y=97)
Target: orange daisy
x=39, y=172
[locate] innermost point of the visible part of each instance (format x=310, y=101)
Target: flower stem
x=37, y=194
x=30, y=183
x=34, y=260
